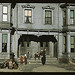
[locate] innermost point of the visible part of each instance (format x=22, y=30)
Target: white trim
x=36, y=33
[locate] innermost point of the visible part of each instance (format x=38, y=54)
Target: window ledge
x=28, y=23
x=48, y=24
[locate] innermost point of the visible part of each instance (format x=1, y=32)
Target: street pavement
x=42, y=68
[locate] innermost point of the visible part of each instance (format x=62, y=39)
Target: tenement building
x=32, y=27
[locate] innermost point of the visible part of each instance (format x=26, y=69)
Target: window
x=5, y=12
x=72, y=43
x=64, y=17
x=4, y=43
x=72, y=17
x=48, y=17
x=28, y=16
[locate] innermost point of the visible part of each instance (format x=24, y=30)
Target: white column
x=0, y=42
x=60, y=45
x=19, y=49
x=8, y=44
x=68, y=16
x=16, y=37
x=51, y=49
x=16, y=44
x=12, y=43
x=68, y=44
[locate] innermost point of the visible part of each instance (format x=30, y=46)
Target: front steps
x=49, y=60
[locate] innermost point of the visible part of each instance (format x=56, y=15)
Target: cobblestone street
x=42, y=68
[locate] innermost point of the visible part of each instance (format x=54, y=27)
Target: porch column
x=68, y=44
x=60, y=45
x=8, y=45
x=12, y=43
x=68, y=16
x=0, y=42
x=16, y=44
x=51, y=49
x=16, y=37
x=19, y=49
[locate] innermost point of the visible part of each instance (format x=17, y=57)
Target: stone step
x=48, y=60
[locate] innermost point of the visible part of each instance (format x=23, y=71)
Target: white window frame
x=24, y=15
x=5, y=13
x=6, y=42
x=44, y=16
x=70, y=17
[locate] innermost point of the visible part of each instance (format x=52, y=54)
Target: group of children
x=25, y=59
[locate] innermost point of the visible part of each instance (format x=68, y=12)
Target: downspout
x=58, y=31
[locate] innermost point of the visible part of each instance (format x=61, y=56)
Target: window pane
x=48, y=13
x=72, y=40
x=71, y=21
x=29, y=12
x=72, y=46
x=4, y=38
x=4, y=9
x=30, y=19
x=72, y=13
x=4, y=17
x=64, y=17
x=48, y=20
x=26, y=13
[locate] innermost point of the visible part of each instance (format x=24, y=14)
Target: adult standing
x=28, y=55
x=43, y=59
x=25, y=59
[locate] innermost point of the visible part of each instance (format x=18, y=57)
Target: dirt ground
x=42, y=68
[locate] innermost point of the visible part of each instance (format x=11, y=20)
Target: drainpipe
x=58, y=30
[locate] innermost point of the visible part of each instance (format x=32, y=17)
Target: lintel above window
x=48, y=7
x=28, y=6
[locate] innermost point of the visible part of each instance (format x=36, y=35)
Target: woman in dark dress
x=43, y=58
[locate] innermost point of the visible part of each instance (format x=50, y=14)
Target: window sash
x=72, y=40
x=28, y=15
x=48, y=17
x=5, y=9
x=4, y=17
x=71, y=13
x=4, y=42
x=5, y=13
x=72, y=43
x=29, y=20
x=48, y=20
x=4, y=38
x=64, y=17
x=71, y=16
x=71, y=21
